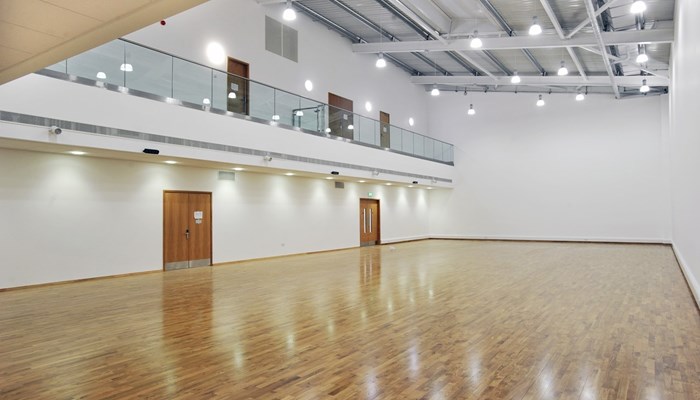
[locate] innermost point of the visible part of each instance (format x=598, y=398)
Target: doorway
x=385, y=129
x=238, y=87
x=340, y=116
x=369, y=222
x=187, y=222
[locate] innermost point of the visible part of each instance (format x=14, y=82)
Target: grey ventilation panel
x=281, y=39
x=339, y=185
x=227, y=176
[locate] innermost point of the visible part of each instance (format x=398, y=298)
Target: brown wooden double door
x=369, y=222
x=186, y=229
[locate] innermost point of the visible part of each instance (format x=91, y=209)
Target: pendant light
x=515, y=79
x=476, y=42
x=540, y=102
x=535, y=28
x=289, y=14
x=645, y=88
x=642, y=57
x=638, y=7
x=563, y=71
x=435, y=91
x=381, y=62
x=580, y=96
x=471, y=111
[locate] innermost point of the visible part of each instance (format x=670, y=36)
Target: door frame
x=211, y=226
x=246, y=101
x=379, y=219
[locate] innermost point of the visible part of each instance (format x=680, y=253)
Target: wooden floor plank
x=421, y=320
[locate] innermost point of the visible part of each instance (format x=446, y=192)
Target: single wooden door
x=369, y=222
x=340, y=117
x=187, y=224
x=238, y=88
x=385, y=129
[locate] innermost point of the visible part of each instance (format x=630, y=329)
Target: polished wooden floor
x=422, y=320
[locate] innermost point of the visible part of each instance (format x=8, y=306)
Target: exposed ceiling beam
x=428, y=11
x=400, y=11
x=570, y=80
x=350, y=35
x=557, y=27
x=511, y=32
x=629, y=62
x=588, y=20
x=519, y=42
x=601, y=45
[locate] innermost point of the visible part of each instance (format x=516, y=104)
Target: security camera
x=267, y=158
x=55, y=130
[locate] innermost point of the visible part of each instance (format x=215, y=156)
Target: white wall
x=593, y=170
x=325, y=58
x=685, y=140
x=69, y=217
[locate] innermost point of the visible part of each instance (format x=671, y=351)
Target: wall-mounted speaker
x=151, y=151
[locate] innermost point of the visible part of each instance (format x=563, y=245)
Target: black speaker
x=151, y=151
x=415, y=182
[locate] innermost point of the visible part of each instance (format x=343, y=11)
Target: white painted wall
x=593, y=170
x=69, y=217
x=325, y=58
x=685, y=140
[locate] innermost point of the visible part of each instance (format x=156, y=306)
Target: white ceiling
x=38, y=33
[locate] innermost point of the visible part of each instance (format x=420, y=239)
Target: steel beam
x=569, y=80
x=506, y=27
x=519, y=42
x=350, y=35
x=601, y=44
x=588, y=20
x=557, y=27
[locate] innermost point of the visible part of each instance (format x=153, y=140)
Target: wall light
x=411, y=122
x=368, y=106
x=216, y=53
x=308, y=85
x=102, y=75
x=351, y=127
x=289, y=14
x=231, y=95
x=535, y=28
x=126, y=67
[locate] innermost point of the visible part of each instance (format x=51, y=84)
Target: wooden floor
x=430, y=319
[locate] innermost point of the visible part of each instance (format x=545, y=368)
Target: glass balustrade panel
x=407, y=142
x=150, y=71
x=103, y=63
x=367, y=131
x=286, y=106
x=192, y=83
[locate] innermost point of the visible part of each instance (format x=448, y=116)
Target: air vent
x=339, y=185
x=281, y=39
x=227, y=176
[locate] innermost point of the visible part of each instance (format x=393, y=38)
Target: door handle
x=187, y=234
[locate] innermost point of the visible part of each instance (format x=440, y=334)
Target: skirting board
x=555, y=239
x=405, y=239
x=689, y=277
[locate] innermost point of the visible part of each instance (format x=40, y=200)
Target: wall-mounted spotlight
x=267, y=157
x=55, y=130
x=151, y=151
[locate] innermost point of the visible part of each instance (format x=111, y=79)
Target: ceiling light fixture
x=540, y=102
x=361, y=181
x=126, y=67
x=238, y=169
x=535, y=28
x=275, y=117
x=638, y=7
x=515, y=79
x=580, y=96
x=289, y=14
x=642, y=57
x=290, y=174
x=171, y=162
x=645, y=88
x=77, y=153
x=563, y=71
x=381, y=62
x=216, y=53
x=471, y=111
x=476, y=43
x=435, y=91
x=388, y=183
x=101, y=75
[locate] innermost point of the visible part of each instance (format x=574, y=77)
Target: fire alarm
x=162, y=22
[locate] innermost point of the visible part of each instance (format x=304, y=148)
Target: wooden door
x=385, y=129
x=369, y=222
x=187, y=224
x=239, y=85
x=340, y=116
